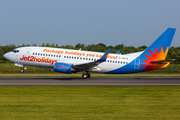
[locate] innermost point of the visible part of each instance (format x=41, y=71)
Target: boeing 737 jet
x=72, y=61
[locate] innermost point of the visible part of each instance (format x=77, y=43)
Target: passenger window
x=126, y=62
x=59, y=55
x=35, y=53
x=86, y=58
x=77, y=57
x=51, y=55
x=74, y=57
x=54, y=55
x=123, y=62
x=83, y=58
x=69, y=56
x=43, y=54
x=64, y=56
x=38, y=53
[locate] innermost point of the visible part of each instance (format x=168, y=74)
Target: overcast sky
x=112, y=22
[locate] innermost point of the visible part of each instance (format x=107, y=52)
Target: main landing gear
x=86, y=75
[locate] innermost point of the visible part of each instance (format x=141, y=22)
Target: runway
x=94, y=81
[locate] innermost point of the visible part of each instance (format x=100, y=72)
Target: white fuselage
x=47, y=57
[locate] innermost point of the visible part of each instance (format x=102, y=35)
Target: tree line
x=174, y=52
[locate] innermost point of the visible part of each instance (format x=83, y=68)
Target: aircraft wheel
x=84, y=76
x=22, y=70
x=88, y=75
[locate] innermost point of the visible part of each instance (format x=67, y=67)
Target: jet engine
x=63, y=68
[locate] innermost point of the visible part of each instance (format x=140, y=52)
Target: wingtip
x=172, y=28
x=104, y=57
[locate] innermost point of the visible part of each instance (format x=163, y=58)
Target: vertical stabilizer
x=157, y=52
x=159, y=49
x=152, y=58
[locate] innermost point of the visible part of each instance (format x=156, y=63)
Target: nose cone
x=5, y=55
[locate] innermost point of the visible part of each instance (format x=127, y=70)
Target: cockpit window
x=15, y=51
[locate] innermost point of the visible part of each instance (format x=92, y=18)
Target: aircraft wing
x=160, y=61
x=90, y=65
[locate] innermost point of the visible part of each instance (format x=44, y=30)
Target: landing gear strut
x=86, y=75
x=22, y=69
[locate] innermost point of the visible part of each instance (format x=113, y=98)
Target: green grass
x=11, y=68
x=89, y=102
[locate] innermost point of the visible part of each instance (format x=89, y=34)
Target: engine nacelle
x=63, y=68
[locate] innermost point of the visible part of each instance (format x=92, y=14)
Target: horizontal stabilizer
x=168, y=60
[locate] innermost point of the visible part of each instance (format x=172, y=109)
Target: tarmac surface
x=98, y=81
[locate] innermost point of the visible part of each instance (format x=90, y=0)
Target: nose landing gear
x=22, y=70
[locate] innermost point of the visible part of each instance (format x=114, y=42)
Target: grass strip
x=89, y=102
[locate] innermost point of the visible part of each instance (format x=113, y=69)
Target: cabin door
x=137, y=64
x=28, y=52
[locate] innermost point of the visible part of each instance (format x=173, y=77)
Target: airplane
x=72, y=61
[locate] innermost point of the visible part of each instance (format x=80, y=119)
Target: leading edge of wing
x=89, y=65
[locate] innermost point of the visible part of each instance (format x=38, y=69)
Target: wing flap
x=90, y=65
